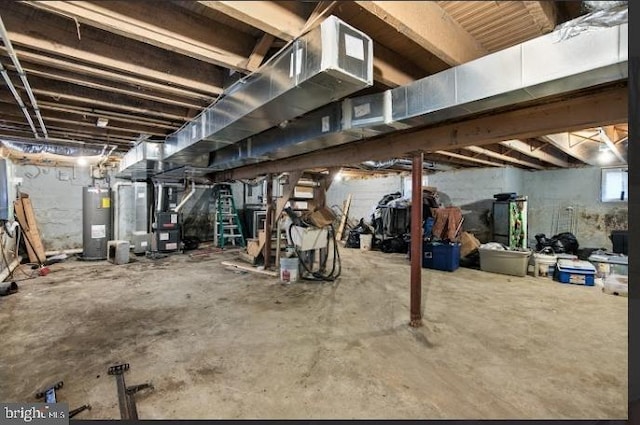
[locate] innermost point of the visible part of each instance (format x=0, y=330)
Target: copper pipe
x=416, y=240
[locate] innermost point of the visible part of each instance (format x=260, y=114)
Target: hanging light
x=82, y=161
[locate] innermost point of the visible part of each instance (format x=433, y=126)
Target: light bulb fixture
x=82, y=161
x=338, y=177
x=102, y=122
x=605, y=156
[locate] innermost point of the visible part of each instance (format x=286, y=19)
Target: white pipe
x=23, y=76
x=186, y=198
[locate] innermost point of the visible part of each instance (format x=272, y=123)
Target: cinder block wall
x=553, y=190
x=548, y=192
x=56, y=195
x=365, y=194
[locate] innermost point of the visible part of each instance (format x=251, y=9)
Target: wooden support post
x=268, y=222
x=416, y=240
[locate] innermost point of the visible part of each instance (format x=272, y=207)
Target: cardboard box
x=322, y=217
x=469, y=244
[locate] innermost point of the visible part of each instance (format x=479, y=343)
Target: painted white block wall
x=553, y=190
x=548, y=192
x=56, y=195
x=365, y=194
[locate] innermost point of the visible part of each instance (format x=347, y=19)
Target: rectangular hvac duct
x=329, y=62
x=544, y=66
x=538, y=68
x=142, y=161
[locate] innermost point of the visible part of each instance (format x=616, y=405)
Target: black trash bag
x=568, y=241
x=396, y=245
x=353, y=240
x=560, y=244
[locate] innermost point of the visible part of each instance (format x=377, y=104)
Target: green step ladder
x=228, y=226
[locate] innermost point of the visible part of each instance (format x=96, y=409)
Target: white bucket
x=289, y=270
x=365, y=242
x=544, y=263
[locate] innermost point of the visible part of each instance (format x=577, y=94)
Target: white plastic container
x=365, y=242
x=289, y=269
x=544, y=264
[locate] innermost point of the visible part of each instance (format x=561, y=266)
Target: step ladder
x=228, y=226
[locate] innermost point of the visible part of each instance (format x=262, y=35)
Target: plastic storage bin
x=514, y=263
x=441, y=256
x=575, y=271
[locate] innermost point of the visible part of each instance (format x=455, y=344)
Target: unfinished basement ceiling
x=148, y=68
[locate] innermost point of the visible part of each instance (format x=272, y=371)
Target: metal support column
x=266, y=250
x=416, y=240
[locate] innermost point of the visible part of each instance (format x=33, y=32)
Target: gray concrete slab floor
x=223, y=344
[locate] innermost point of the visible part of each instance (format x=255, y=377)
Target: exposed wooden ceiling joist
x=428, y=25
x=167, y=28
x=96, y=112
x=286, y=20
x=10, y=111
x=470, y=158
x=526, y=149
x=44, y=72
x=259, y=52
x=502, y=157
x=566, y=143
x=53, y=90
x=607, y=134
x=59, y=36
x=608, y=106
x=544, y=14
x=27, y=57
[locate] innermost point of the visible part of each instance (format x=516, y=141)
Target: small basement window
x=615, y=183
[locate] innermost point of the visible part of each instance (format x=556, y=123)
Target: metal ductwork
x=329, y=62
x=142, y=161
x=542, y=67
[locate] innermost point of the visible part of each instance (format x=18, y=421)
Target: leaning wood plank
x=19, y=213
x=246, y=268
x=343, y=220
x=34, y=232
x=29, y=232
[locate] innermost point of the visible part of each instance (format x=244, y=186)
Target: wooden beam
x=285, y=20
x=428, y=25
x=584, y=110
x=526, y=149
x=95, y=113
x=94, y=83
x=59, y=36
x=544, y=14
x=48, y=116
x=566, y=143
x=502, y=157
x=162, y=25
x=470, y=158
x=83, y=131
x=607, y=133
x=26, y=56
x=46, y=90
x=71, y=137
x=259, y=52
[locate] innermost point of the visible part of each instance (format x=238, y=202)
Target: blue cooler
x=441, y=256
x=575, y=271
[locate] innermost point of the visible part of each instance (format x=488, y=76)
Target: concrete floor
x=223, y=344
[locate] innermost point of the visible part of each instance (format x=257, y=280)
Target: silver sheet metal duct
x=538, y=68
x=330, y=62
x=142, y=161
